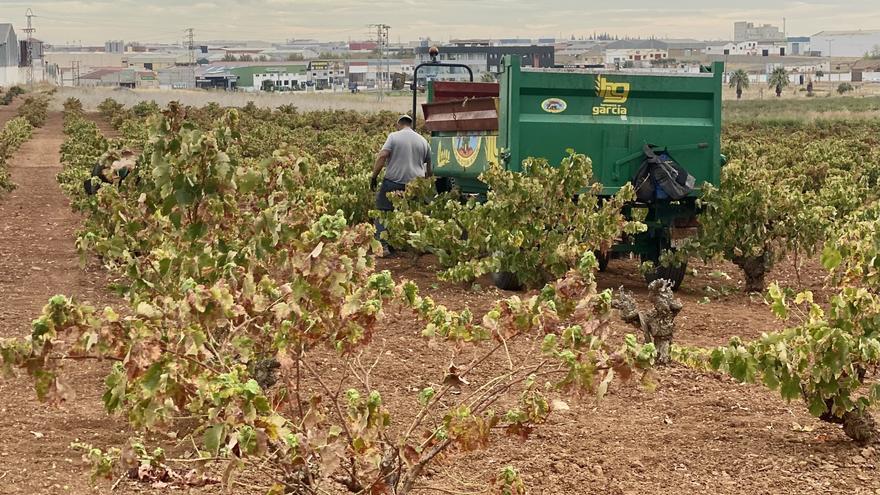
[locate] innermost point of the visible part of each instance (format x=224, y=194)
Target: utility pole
x=190, y=45
x=30, y=46
x=382, y=42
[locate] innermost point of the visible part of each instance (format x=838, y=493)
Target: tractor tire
x=675, y=274
x=506, y=281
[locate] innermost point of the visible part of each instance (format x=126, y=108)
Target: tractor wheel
x=506, y=281
x=674, y=274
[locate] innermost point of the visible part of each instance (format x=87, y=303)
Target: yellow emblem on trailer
x=613, y=94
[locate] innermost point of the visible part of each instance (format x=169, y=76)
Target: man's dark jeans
x=383, y=204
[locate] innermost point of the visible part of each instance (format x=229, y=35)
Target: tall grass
x=803, y=109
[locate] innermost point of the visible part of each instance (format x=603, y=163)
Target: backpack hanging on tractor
x=661, y=177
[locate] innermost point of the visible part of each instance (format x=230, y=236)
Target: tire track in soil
x=38, y=259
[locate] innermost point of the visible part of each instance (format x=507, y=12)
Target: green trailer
x=607, y=115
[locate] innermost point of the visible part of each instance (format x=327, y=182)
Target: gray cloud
x=164, y=20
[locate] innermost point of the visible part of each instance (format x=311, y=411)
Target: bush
x=528, y=226
x=844, y=88
x=12, y=135
x=11, y=94
x=35, y=110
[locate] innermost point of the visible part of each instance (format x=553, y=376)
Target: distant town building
x=280, y=81
x=748, y=31
x=635, y=53
x=362, y=46
x=177, y=77
x=484, y=56
x=114, y=46
x=366, y=73
x=866, y=70
x=154, y=61
x=119, y=77
x=246, y=72
x=799, y=45
x=83, y=62
x=683, y=48
x=31, y=51
x=325, y=74
x=580, y=52
x=749, y=48
x=846, y=43
x=217, y=78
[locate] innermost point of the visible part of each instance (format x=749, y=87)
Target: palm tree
x=740, y=81
x=778, y=78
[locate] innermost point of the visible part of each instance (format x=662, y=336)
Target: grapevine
x=238, y=270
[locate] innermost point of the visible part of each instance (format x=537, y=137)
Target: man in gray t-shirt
x=405, y=156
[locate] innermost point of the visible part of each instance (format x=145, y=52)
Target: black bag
x=661, y=177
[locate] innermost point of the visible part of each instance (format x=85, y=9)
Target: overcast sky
x=94, y=21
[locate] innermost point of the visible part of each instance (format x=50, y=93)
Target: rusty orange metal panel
x=469, y=114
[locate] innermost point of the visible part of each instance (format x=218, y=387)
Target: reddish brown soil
x=694, y=433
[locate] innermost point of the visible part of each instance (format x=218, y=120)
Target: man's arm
x=429, y=169
x=381, y=158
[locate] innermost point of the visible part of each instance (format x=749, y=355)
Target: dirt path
x=39, y=260
x=8, y=112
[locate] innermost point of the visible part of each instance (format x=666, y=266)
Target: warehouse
x=119, y=77
x=246, y=71
x=846, y=43
x=275, y=80
x=9, y=56
x=9, y=48
x=324, y=74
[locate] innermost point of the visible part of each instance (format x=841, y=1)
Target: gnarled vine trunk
x=860, y=426
x=754, y=269
x=658, y=324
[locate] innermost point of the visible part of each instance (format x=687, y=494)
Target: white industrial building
x=281, y=81
x=846, y=43
x=751, y=48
